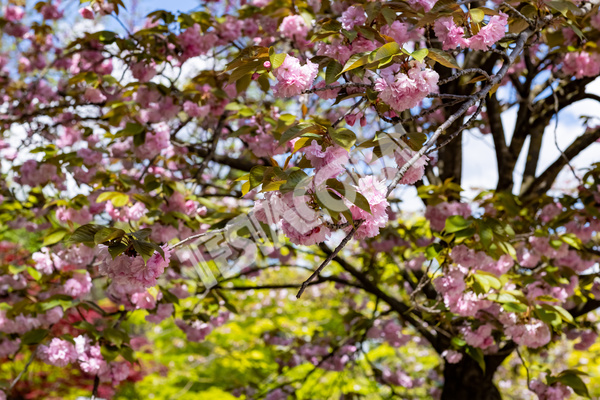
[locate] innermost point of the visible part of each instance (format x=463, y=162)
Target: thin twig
x=16, y=380
x=330, y=257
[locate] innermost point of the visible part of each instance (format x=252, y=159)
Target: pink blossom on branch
x=489, y=34
x=402, y=91
x=449, y=34
x=292, y=78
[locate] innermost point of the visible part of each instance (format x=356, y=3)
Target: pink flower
x=481, y=337
x=154, y=142
x=581, y=64
x=489, y=34
x=194, y=110
x=353, y=16
x=194, y=43
x=556, y=391
x=94, y=95
x=86, y=12
x=293, y=79
x=9, y=347
x=449, y=34
x=588, y=338
x=79, y=285
x=398, y=31
x=403, y=91
x=81, y=216
x=132, y=273
x=335, y=50
x=13, y=13
x=163, y=312
x=452, y=356
x=426, y=4
x=58, y=353
x=416, y=171
x=143, y=71
x=375, y=192
x=294, y=27
x=533, y=334
x=437, y=214
x=50, y=11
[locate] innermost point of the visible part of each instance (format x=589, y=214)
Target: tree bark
x=466, y=381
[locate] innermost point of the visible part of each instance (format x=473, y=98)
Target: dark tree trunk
x=466, y=381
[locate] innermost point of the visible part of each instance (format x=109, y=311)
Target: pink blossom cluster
x=126, y=213
x=157, y=140
x=452, y=356
x=81, y=216
x=540, y=287
x=472, y=260
x=556, y=391
x=59, y=353
x=400, y=378
x=374, y=190
x=196, y=331
x=480, y=337
x=581, y=64
x=437, y=214
x=353, y=16
x=131, y=273
x=299, y=222
x=452, y=36
x=533, y=333
x=79, y=285
x=416, y=171
x=402, y=91
x=390, y=331
x=163, y=311
x=328, y=163
x=22, y=323
x=335, y=50
x=292, y=78
x=401, y=32
x=9, y=347
x=294, y=27
x=586, y=338
x=426, y=4
x=33, y=173
x=195, y=43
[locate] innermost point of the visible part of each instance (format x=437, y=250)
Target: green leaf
x=142, y=233
x=35, y=336
x=446, y=59
x=477, y=355
x=298, y=130
x=487, y=281
x=385, y=51
x=333, y=70
x=35, y=274
x=361, y=202
x=118, y=199
x=514, y=307
x=277, y=60
x=343, y=137
x=355, y=61
x=108, y=234
x=456, y=223
x=84, y=234
x=477, y=15
x=420, y=54
x=571, y=378
x=257, y=173
x=117, y=249
x=54, y=237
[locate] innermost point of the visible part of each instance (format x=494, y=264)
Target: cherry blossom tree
x=188, y=171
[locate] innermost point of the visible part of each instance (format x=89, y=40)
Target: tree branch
x=544, y=182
